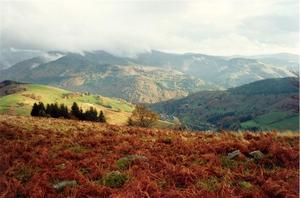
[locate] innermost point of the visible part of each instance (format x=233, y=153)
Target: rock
x=62, y=184
x=257, y=155
x=233, y=154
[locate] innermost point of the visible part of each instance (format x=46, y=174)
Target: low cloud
x=130, y=27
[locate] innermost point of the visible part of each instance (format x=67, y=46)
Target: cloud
x=129, y=27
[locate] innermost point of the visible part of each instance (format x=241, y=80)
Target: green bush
x=211, y=184
x=124, y=162
x=114, y=179
x=228, y=163
x=245, y=185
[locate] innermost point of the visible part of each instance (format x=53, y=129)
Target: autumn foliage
x=142, y=117
x=39, y=155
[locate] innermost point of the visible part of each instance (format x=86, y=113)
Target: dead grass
x=36, y=153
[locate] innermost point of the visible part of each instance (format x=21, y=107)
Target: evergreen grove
x=61, y=111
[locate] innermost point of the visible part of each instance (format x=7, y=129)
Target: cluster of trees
x=142, y=116
x=61, y=111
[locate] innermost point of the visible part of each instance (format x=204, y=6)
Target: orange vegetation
x=36, y=154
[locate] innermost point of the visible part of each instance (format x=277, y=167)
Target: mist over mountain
x=149, y=77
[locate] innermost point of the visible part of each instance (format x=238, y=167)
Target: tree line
x=61, y=111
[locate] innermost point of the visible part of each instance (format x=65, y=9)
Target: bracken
x=37, y=152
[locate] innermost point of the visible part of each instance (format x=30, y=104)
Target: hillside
x=100, y=73
x=64, y=158
x=147, y=78
x=18, y=98
x=223, y=72
x=262, y=105
x=286, y=60
x=11, y=56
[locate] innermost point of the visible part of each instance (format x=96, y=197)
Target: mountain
x=100, y=72
x=222, y=71
x=9, y=57
x=148, y=78
x=17, y=99
x=262, y=105
x=283, y=60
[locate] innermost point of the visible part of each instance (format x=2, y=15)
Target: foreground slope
x=262, y=105
x=18, y=98
x=43, y=157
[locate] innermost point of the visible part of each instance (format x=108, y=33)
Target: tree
x=178, y=125
x=101, y=117
x=142, y=116
x=91, y=114
x=63, y=111
x=41, y=109
x=48, y=110
x=55, y=111
x=75, y=111
x=35, y=110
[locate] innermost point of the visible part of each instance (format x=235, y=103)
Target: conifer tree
x=75, y=111
x=41, y=109
x=55, y=112
x=48, y=110
x=91, y=114
x=35, y=110
x=63, y=111
x=101, y=117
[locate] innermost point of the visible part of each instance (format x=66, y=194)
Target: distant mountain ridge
x=148, y=78
x=262, y=105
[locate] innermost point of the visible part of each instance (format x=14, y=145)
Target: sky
x=122, y=27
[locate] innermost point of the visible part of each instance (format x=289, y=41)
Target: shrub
x=245, y=185
x=211, y=184
x=114, y=179
x=142, y=116
x=124, y=162
x=228, y=163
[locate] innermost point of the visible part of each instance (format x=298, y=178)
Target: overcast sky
x=220, y=27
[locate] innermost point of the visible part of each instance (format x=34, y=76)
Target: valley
x=271, y=104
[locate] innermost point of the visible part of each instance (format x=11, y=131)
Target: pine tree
x=41, y=109
x=75, y=111
x=91, y=114
x=48, y=110
x=101, y=117
x=35, y=110
x=63, y=111
x=81, y=115
x=55, y=111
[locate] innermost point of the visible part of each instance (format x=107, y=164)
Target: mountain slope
x=150, y=77
x=266, y=104
x=220, y=71
x=43, y=157
x=18, y=98
x=9, y=57
x=91, y=73
x=285, y=60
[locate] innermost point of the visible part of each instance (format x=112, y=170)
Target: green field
x=117, y=111
x=274, y=120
